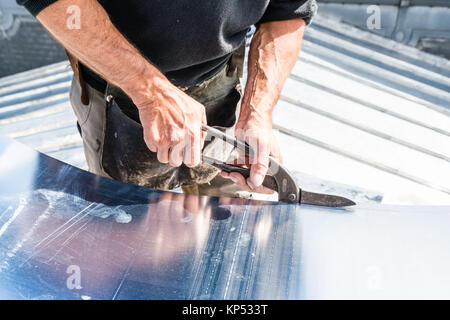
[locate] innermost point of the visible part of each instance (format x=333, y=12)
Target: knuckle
x=175, y=136
x=155, y=140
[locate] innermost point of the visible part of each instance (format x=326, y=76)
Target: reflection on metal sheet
x=67, y=234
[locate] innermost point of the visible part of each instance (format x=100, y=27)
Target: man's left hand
x=259, y=135
x=273, y=53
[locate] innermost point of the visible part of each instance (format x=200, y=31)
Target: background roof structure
x=424, y=24
x=24, y=42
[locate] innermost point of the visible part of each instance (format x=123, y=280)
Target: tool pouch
x=125, y=155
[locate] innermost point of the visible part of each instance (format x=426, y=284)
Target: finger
x=224, y=174
x=176, y=154
x=242, y=183
x=163, y=154
x=258, y=169
x=150, y=145
x=192, y=155
x=239, y=179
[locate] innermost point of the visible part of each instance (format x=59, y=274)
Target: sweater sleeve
x=35, y=6
x=290, y=9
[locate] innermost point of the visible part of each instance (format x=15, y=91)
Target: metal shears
x=278, y=178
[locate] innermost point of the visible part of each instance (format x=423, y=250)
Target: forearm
x=171, y=120
x=273, y=53
x=100, y=46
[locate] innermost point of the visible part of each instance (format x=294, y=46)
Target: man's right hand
x=172, y=125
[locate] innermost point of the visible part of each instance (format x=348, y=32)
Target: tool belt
x=236, y=64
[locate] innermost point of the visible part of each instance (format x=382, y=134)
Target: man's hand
x=172, y=126
x=273, y=53
x=258, y=134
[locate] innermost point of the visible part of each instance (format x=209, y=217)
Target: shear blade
x=324, y=200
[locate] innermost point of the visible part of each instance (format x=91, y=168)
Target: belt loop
x=75, y=64
x=237, y=61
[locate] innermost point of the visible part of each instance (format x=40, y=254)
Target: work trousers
x=114, y=144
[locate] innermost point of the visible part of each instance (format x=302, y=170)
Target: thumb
x=258, y=169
